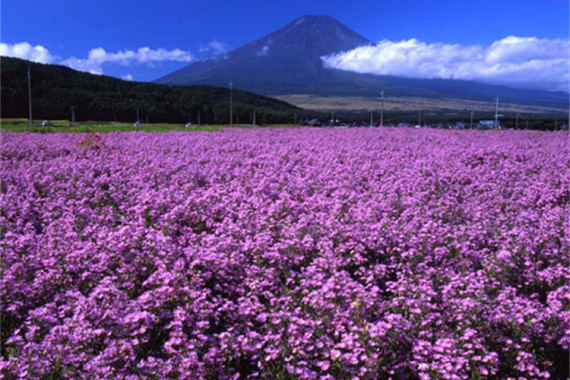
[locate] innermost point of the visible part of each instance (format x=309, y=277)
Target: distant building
x=488, y=124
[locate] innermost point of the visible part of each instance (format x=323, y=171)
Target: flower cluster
x=285, y=254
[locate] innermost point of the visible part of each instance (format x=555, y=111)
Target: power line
x=30, y=94
x=497, y=113
x=382, y=110
x=231, y=85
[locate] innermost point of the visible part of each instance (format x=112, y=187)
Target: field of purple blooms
x=285, y=254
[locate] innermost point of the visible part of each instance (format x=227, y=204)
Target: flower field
x=285, y=254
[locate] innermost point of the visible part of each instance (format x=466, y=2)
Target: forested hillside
x=55, y=89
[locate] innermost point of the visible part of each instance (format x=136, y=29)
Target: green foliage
x=83, y=127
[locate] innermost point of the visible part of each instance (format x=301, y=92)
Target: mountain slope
x=288, y=61
x=56, y=88
x=279, y=61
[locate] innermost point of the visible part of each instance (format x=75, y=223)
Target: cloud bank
x=97, y=58
x=525, y=62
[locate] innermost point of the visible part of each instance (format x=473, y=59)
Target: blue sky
x=69, y=29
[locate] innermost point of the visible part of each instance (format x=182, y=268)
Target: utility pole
x=497, y=113
x=471, y=121
x=30, y=94
x=382, y=110
x=517, y=122
x=253, y=121
x=72, y=115
x=231, y=85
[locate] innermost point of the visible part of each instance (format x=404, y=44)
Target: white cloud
x=96, y=58
x=83, y=65
x=26, y=51
x=215, y=48
x=515, y=61
x=142, y=55
x=264, y=50
x=127, y=77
